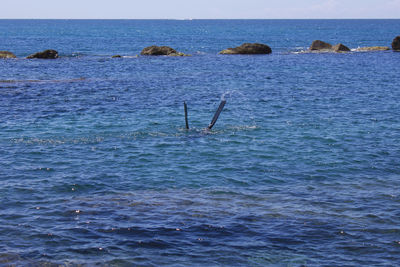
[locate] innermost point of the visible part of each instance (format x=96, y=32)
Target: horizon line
x=189, y=19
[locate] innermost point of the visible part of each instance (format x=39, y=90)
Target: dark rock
x=158, y=51
x=396, y=43
x=340, y=48
x=6, y=54
x=320, y=45
x=161, y=51
x=248, y=49
x=47, y=54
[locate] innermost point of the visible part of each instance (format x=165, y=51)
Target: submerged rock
x=6, y=54
x=396, y=43
x=340, y=48
x=179, y=54
x=372, y=48
x=320, y=45
x=161, y=51
x=46, y=54
x=248, y=49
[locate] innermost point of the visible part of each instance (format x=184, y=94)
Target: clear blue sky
x=199, y=9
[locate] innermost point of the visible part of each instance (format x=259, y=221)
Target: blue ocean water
x=97, y=168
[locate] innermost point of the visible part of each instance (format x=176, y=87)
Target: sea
x=97, y=167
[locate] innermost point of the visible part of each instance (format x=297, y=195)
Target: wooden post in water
x=186, y=115
x=216, y=115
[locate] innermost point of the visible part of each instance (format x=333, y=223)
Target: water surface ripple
x=301, y=169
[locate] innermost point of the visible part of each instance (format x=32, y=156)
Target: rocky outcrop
x=46, y=54
x=372, y=48
x=320, y=45
x=161, y=51
x=248, y=49
x=396, y=44
x=6, y=54
x=157, y=51
x=340, y=48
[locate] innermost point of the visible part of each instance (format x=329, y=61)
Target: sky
x=199, y=9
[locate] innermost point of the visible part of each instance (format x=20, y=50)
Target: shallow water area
x=97, y=168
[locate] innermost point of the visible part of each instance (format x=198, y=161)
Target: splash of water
x=229, y=94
